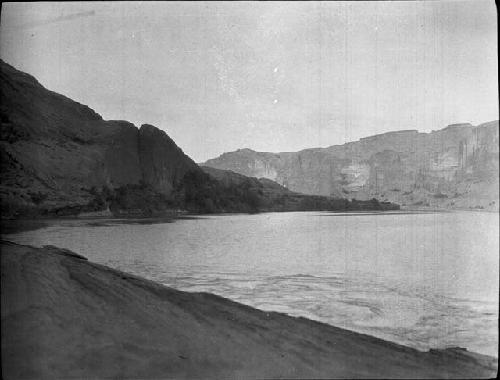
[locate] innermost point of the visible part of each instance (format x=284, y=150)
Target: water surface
x=427, y=280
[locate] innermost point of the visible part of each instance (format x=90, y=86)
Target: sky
x=270, y=76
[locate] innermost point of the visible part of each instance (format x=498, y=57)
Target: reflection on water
x=424, y=280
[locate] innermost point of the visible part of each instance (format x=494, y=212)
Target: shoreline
x=13, y=226
x=63, y=316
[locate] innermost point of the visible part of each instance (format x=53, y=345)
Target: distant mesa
x=458, y=125
x=407, y=167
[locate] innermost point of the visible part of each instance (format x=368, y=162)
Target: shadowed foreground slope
x=64, y=317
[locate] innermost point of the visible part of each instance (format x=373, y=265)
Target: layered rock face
x=456, y=167
x=54, y=149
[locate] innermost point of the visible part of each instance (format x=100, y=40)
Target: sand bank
x=65, y=317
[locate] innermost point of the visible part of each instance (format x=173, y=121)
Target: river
x=427, y=280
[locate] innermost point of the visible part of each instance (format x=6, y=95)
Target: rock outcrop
x=456, y=167
x=163, y=164
x=58, y=153
x=64, y=317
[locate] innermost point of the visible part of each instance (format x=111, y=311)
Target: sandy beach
x=65, y=317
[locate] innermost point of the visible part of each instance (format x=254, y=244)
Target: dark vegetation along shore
x=60, y=158
x=65, y=317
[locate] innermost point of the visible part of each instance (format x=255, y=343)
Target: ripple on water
x=424, y=280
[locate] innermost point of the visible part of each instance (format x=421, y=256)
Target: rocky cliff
x=59, y=157
x=456, y=167
x=59, y=154
x=267, y=195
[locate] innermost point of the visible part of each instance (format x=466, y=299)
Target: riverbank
x=13, y=226
x=63, y=317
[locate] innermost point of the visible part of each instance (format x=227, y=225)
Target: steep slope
x=59, y=155
x=163, y=164
x=41, y=128
x=64, y=317
x=266, y=195
x=456, y=167
x=230, y=178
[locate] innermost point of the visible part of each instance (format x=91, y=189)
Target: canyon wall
x=60, y=158
x=455, y=167
x=57, y=152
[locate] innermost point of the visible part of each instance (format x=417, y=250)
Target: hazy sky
x=271, y=76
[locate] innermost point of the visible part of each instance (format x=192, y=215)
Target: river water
x=427, y=280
